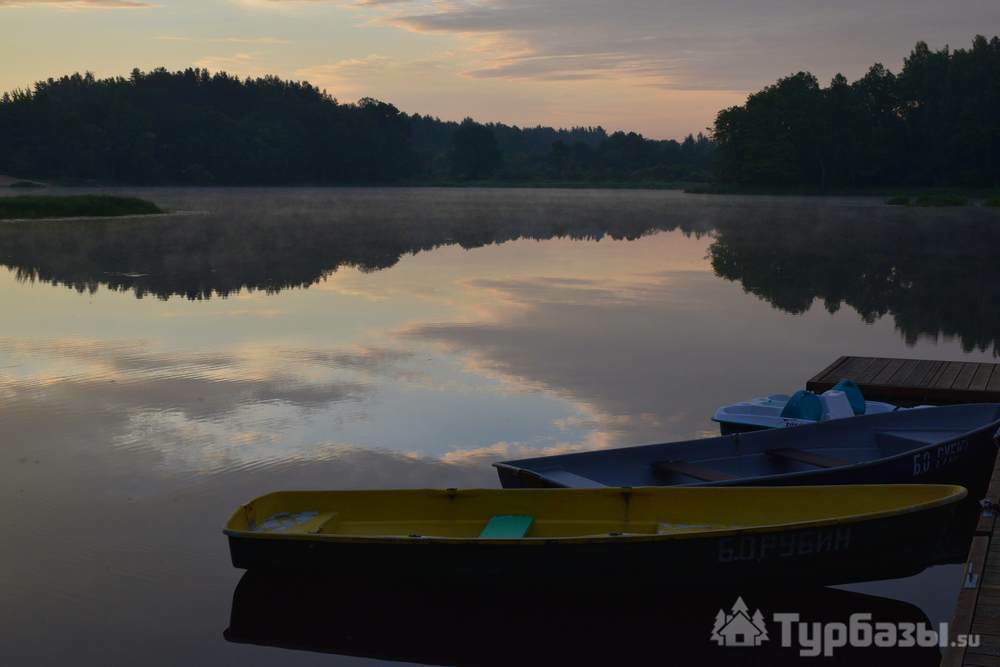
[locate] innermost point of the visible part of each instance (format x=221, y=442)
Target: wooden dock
x=911, y=381
x=978, y=607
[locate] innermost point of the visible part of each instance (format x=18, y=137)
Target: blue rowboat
x=954, y=444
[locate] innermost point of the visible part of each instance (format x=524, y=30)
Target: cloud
x=79, y=4
x=685, y=45
x=348, y=68
x=222, y=40
x=196, y=410
x=642, y=358
x=484, y=457
x=662, y=68
x=369, y=361
x=242, y=64
x=358, y=76
x=198, y=385
x=248, y=409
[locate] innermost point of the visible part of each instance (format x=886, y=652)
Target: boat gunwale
x=740, y=481
x=956, y=494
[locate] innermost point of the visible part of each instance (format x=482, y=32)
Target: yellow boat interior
x=545, y=514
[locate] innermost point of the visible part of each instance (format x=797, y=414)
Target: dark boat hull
x=966, y=458
x=898, y=545
x=730, y=428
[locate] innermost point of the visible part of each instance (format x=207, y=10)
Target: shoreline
x=61, y=207
x=91, y=218
x=912, y=198
x=888, y=191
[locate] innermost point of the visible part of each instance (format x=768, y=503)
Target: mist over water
x=156, y=373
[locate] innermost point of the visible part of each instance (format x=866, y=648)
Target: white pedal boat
x=802, y=407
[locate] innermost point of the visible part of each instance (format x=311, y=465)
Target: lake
x=155, y=373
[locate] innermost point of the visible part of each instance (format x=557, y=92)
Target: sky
x=660, y=67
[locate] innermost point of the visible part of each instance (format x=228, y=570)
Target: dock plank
x=850, y=368
x=965, y=376
x=822, y=375
x=981, y=378
x=948, y=375
x=902, y=375
x=933, y=370
x=968, y=597
x=887, y=372
x=870, y=373
x=914, y=378
x=976, y=660
x=864, y=364
x=978, y=608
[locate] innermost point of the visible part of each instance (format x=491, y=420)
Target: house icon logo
x=739, y=628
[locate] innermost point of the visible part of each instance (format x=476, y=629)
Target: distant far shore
x=19, y=183
x=73, y=206
x=899, y=196
x=9, y=182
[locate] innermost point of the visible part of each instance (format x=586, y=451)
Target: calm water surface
x=156, y=373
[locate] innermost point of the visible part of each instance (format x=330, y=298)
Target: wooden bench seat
x=570, y=479
x=804, y=456
x=691, y=470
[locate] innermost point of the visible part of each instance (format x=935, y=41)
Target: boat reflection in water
x=509, y=625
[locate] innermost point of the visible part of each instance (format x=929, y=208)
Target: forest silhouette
x=936, y=123
x=194, y=127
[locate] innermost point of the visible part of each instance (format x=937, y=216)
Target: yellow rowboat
x=618, y=537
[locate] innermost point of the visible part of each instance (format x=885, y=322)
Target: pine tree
x=720, y=620
x=758, y=621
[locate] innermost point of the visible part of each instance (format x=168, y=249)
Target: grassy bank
x=579, y=185
x=899, y=196
x=73, y=206
x=935, y=200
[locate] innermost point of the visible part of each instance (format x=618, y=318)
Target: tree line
x=935, y=123
x=195, y=127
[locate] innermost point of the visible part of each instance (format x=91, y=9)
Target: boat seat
x=327, y=525
x=812, y=458
x=803, y=405
x=295, y=522
x=507, y=527
x=691, y=470
x=571, y=479
x=917, y=437
x=854, y=395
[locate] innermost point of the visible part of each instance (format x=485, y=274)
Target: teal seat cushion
x=803, y=405
x=854, y=395
x=507, y=527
